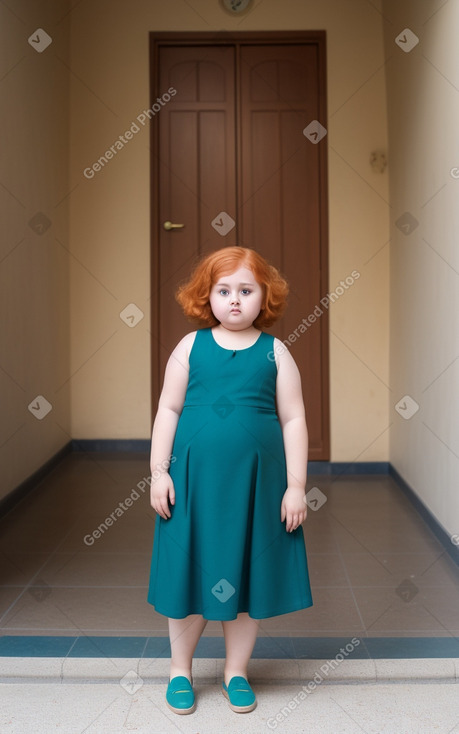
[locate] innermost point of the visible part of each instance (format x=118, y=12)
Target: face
x=236, y=299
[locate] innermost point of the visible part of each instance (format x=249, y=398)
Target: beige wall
x=34, y=266
x=423, y=110
x=108, y=369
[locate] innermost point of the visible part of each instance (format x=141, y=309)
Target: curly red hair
x=193, y=295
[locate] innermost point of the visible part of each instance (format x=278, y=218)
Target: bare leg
x=184, y=636
x=240, y=636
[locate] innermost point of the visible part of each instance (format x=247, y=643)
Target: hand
x=159, y=491
x=293, y=508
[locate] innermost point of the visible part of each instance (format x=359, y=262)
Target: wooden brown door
x=230, y=161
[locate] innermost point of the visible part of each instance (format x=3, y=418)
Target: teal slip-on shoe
x=180, y=695
x=239, y=694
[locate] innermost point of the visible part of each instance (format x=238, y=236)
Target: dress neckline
x=234, y=350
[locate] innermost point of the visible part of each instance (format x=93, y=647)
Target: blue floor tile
x=35, y=647
x=412, y=647
x=275, y=648
x=110, y=647
x=326, y=648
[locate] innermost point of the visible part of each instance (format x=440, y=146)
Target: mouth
x=235, y=310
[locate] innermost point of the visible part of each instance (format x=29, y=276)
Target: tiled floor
x=377, y=571
x=103, y=708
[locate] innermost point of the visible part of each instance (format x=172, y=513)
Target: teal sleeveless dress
x=224, y=550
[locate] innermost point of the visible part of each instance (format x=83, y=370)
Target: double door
x=233, y=162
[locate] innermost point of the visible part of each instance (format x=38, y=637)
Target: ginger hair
x=193, y=295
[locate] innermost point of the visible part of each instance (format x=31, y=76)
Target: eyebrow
x=239, y=284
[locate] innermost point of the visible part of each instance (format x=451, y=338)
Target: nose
x=235, y=298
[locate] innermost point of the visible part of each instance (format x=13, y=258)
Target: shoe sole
x=181, y=711
x=239, y=709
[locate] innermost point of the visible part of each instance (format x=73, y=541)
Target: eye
x=246, y=291
x=223, y=290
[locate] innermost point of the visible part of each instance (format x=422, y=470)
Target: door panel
x=196, y=150
x=280, y=205
x=232, y=140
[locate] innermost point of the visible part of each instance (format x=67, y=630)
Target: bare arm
x=291, y=413
x=170, y=406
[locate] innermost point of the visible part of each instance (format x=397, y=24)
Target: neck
x=247, y=330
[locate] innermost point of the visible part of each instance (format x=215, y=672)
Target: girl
x=231, y=430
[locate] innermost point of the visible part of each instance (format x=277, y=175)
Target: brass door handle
x=169, y=225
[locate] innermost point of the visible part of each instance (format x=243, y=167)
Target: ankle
x=228, y=674
x=177, y=670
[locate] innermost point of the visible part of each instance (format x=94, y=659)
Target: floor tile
x=83, y=568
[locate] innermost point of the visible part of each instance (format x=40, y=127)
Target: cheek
x=214, y=301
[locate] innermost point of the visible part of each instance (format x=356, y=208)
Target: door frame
x=203, y=38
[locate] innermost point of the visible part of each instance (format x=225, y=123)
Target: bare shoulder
x=183, y=348
x=286, y=365
x=282, y=354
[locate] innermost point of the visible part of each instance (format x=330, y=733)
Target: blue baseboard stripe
x=275, y=648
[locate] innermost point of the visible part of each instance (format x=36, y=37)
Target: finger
x=158, y=509
x=160, y=512
x=172, y=492
x=165, y=509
